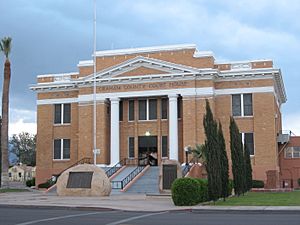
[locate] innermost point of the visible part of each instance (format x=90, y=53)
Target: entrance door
x=148, y=150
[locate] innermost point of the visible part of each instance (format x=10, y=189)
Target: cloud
x=291, y=122
x=21, y=126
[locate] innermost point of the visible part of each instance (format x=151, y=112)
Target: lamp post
x=187, y=151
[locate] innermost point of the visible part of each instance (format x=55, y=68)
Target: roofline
x=128, y=51
x=56, y=74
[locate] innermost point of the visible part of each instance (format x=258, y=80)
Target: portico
x=171, y=118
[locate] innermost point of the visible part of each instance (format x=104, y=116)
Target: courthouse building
x=152, y=101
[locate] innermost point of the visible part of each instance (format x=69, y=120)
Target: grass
x=5, y=190
x=264, y=199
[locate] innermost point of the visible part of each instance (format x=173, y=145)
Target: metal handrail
x=121, y=184
x=120, y=164
x=81, y=161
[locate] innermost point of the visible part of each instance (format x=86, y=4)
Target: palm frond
x=6, y=46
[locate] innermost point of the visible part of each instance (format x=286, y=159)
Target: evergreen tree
x=248, y=168
x=213, y=166
x=223, y=162
x=237, y=158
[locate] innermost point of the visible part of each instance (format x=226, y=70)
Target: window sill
x=241, y=117
x=61, y=124
x=61, y=160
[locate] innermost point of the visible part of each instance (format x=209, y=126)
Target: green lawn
x=264, y=199
x=12, y=190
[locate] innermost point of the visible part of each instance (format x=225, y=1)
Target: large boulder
x=85, y=180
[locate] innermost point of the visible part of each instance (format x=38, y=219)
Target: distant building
x=21, y=173
x=151, y=101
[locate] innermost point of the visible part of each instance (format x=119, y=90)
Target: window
x=248, y=141
x=152, y=109
x=121, y=111
x=9, y=174
x=164, y=146
x=292, y=152
x=142, y=109
x=20, y=174
x=179, y=105
x=148, y=109
x=131, y=147
x=242, y=105
x=61, y=149
x=62, y=113
x=164, y=108
x=131, y=110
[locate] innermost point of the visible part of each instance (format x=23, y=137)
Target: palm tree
x=199, y=154
x=5, y=47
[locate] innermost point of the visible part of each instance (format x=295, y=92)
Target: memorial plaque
x=169, y=175
x=80, y=180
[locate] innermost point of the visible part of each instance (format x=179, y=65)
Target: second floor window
x=62, y=113
x=148, y=109
x=242, y=105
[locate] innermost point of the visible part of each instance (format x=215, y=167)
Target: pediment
x=142, y=66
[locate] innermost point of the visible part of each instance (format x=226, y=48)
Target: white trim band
x=185, y=92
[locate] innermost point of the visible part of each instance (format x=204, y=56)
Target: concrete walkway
x=126, y=202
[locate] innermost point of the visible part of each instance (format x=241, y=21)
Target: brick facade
x=193, y=76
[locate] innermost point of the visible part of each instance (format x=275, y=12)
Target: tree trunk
x=4, y=128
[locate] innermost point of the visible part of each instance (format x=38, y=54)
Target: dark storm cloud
x=51, y=36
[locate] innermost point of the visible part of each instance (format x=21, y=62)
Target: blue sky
x=51, y=36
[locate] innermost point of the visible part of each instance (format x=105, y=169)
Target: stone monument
x=83, y=180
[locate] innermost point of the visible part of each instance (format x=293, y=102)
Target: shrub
x=47, y=184
x=203, y=196
x=299, y=181
x=185, y=191
x=229, y=187
x=30, y=183
x=257, y=184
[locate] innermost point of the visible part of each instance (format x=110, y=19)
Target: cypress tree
x=248, y=168
x=223, y=163
x=212, y=155
x=237, y=158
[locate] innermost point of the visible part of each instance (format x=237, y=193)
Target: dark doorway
x=148, y=150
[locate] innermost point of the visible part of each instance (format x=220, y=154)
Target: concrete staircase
x=148, y=183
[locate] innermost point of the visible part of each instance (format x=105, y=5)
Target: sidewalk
x=125, y=202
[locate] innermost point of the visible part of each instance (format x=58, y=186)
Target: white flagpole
x=94, y=95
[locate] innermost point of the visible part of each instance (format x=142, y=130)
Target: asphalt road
x=50, y=216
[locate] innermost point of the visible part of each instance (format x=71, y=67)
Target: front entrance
x=148, y=150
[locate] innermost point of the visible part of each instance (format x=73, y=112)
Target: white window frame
x=242, y=105
x=293, y=157
x=61, y=114
x=243, y=141
x=147, y=110
x=61, y=149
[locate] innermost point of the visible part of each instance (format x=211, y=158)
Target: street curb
x=193, y=210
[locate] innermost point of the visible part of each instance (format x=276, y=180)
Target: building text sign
x=148, y=86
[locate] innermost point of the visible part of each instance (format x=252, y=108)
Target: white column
x=173, y=127
x=114, y=131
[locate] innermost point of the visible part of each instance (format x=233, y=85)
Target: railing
x=81, y=161
x=120, y=164
x=186, y=169
x=122, y=184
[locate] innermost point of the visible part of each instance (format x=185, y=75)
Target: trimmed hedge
x=186, y=191
x=203, y=197
x=258, y=184
x=30, y=183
